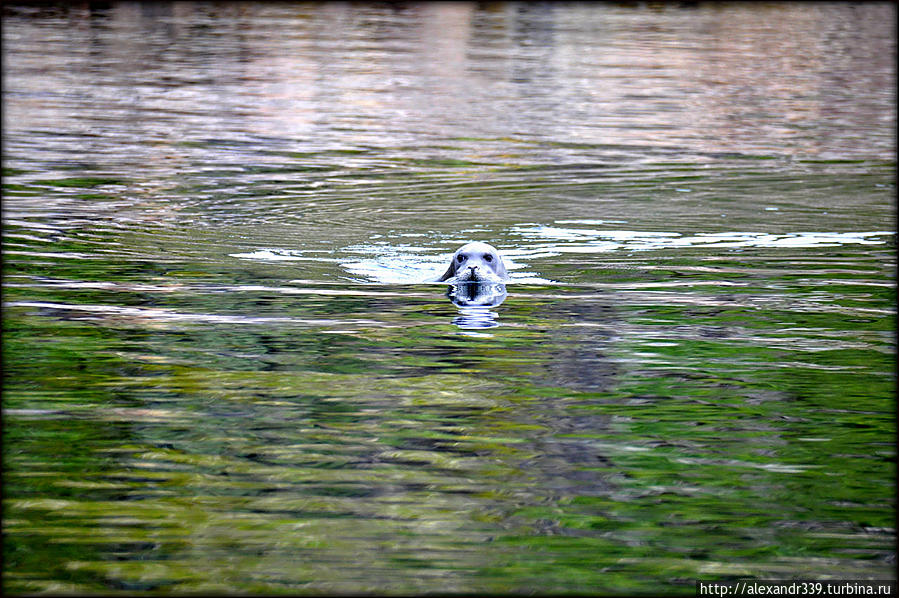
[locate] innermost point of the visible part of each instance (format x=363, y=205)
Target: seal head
x=475, y=262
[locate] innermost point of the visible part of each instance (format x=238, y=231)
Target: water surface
x=225, y=372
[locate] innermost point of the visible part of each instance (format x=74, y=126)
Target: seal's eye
x=488, y=257
x=460, y=258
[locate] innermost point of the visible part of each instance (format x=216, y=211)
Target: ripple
x=391, y=263
x=280, y=255
x=579, y=240
x=145, y=315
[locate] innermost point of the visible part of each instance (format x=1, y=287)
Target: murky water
x=223, y=370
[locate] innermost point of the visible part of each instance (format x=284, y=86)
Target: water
x=225, y=372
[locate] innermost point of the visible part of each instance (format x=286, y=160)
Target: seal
x=475, y=262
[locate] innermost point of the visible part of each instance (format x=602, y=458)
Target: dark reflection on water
x=222, y=371
x=474, y=300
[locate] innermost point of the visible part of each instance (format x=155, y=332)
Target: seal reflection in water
x=476, y=275
x=474, y=300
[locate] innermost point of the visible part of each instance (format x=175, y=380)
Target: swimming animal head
x=475, y=262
